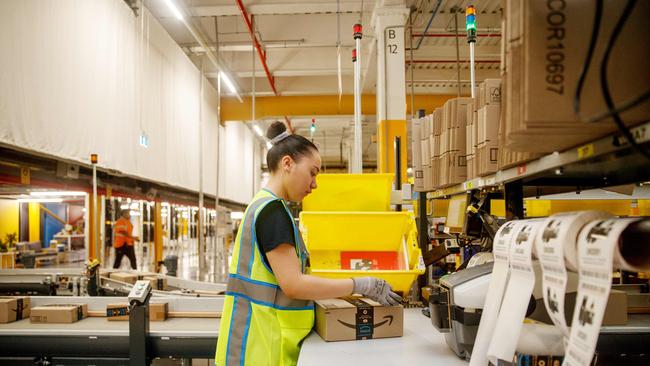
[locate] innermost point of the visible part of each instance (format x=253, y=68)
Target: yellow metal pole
x=387, y=130
x=158, y=235
x=92, y=224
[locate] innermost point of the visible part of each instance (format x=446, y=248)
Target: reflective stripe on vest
x=253, y=293
x=264, y=294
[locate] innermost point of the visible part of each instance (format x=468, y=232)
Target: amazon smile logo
x=388, y=319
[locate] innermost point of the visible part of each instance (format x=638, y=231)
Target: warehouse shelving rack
x=605, y=162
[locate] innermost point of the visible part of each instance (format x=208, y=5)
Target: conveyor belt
x=100, y=338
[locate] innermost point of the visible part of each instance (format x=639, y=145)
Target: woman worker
x=268, y=310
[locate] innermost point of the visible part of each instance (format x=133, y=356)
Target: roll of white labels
x=556, y=248
x=501, y=250
x=599, y=253
x=518, y=292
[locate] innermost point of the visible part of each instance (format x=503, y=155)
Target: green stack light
x=470, y=23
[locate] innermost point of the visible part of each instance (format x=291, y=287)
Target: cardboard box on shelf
x=443, y=170
x=480, y=95
x=158, y=311
x=425, y=151
x=13, y=308
x=543, y=63
x=124, y=277
x=457, y=168
x=455, y=112
x=157, y=283
x=507, y=157
x=488, y=124
x=491, y=91
x=487, y=155
x=117, y=312
x=59, y=313
x=437, y=117
x=354, y=318
x=426, y=172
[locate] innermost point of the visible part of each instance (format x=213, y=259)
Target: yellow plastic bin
x=350, y=192
x=337, y=240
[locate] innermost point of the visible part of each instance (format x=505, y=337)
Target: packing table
x=420, y=344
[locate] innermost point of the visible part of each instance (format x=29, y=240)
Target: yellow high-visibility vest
x=260, y=324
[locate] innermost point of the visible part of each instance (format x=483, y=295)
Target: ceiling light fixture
x=228, y=82
x=258, y=130
x=172, y=7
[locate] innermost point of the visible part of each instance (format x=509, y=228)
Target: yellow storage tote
x=350, y=192
x=329, y=236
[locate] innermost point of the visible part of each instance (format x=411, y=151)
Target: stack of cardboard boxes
x=426, y=127
x=487, y=127
x=453, y=153
x=545, y=47
x=441, y=154
x=436, y=147
x=471, y=139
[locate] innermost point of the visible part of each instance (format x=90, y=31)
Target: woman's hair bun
x=275, y=129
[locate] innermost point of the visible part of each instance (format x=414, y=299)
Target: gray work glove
x=376, y=289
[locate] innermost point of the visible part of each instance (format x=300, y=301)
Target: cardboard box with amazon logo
x=354, y=318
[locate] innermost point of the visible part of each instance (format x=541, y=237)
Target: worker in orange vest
x=123, y=239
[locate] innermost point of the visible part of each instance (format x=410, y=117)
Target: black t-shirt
x=273, y=227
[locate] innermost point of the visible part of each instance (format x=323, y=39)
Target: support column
x=389, y=24
x=92, y=229
x=157, y=235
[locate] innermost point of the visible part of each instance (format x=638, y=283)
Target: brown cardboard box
x=443, y=170
x=59, y=313
x=202, y=362
x=14, y=308
x=631, y=77
x=426, y=173
x=543, y=62
x=124, y=277
x=437, y=121
x=491, y=92
x=355, y=318
x=457, y=171
x=117, y=312
x=158, y=311
x=157, y=283
x=481, y=96
x=488, y=124
x=616, y=309
x=455, y=112
x=435, y=173
x=487, y=158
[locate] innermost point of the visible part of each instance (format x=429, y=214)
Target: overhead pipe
x=258, y=47
x=433, y=15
